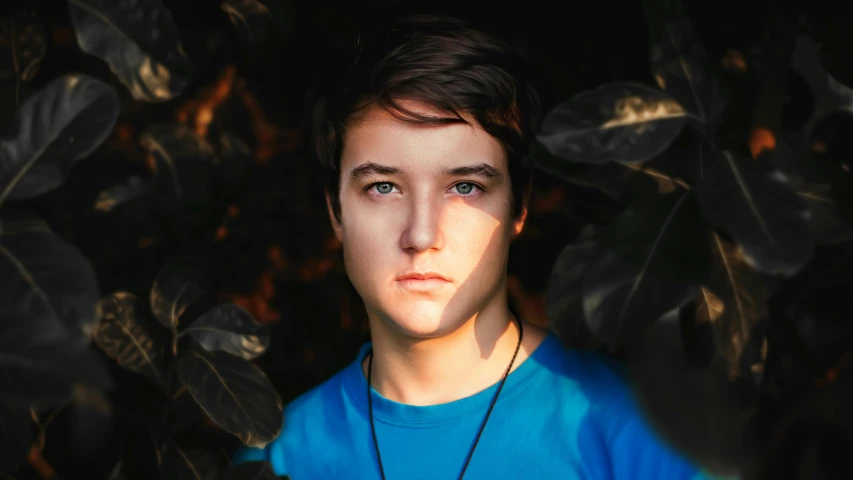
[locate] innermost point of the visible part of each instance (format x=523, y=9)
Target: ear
x=518, y=222
x=336, y=225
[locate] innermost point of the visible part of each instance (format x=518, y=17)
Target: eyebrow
x=370, y=168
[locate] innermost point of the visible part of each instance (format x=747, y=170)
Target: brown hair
x=440, y=61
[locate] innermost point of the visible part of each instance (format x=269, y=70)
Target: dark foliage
x=158, y=223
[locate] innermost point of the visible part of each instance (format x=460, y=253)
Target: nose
x=422, y=230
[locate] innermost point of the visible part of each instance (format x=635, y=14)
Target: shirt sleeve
x=271, y=453
x=248, y=454
x=637, y=452
x=635, y=449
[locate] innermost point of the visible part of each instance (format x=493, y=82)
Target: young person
x=424, y=147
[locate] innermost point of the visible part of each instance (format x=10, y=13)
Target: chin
x=422, y=320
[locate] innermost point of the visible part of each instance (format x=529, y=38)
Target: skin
x=442, y=344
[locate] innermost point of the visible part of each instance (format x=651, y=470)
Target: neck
x=430, y=371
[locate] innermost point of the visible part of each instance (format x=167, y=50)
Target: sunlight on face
x=418, y=199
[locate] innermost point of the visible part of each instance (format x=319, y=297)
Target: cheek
x=476, y=241
x=368, y=245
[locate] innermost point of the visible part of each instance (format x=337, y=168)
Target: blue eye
x=465, y=188
x=384, y=188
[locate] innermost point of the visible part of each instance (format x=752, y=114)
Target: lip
x=422, y=276
x=422, y=282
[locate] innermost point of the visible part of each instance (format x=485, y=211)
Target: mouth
x=422, y=276
x=422, y=282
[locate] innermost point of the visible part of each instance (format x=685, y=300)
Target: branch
x=40, y=465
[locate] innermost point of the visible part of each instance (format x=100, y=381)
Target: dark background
x=270, y=249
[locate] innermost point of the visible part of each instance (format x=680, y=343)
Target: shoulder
x=630, y=443
x=592, y=397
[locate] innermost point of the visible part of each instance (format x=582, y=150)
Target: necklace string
x=482, y=426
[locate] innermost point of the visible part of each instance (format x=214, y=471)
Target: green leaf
x=620, y=122
x=124, y=335
x=140, y=43
x=231, y=329
x=179, y=283
x=61, y=123
x=234, y=393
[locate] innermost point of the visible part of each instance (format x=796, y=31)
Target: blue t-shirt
x=563, y=414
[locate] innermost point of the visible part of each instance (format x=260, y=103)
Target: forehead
x=377, y=136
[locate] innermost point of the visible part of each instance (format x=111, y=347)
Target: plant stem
x=40, y=465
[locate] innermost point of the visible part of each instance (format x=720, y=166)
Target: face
x=432, y=200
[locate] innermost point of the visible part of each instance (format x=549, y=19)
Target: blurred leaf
x=251, y=17
x=130, y=189
x=832, y=33
x=22, y=46
x=682, y=165
x=187, y=410
x=696, y=413
x=822, y=183
x=123, y=334
x=754, y=353
x=54, y=274
x=564, y=296
x=620, y=122
x=90, y=422
x=16, y=437
x=249, y=471
x=760, y=211
x=49, y=295
x=184, y=168
x=179, y=283
x=817, y=301
x=828, y=226
x=140, y=43
x=649, y=263
x=662, y=234
x=61, y=123
x=683, y=70
x=231, y=329
x=187, y=464
x=236, y=394
x=733, y=301
x=117, y=473
x=659, y=11
x=610, y=177
x=232, y=167
x=829, y=94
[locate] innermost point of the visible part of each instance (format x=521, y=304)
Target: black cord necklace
x=488, y=412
